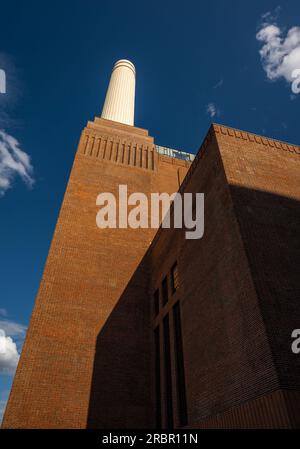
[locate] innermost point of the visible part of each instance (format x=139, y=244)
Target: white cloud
x=212, y=110
x=13, y=329
x=9, y=356
x=280, y=53
x=13, y=161
x=12, y=335
x=3, y=401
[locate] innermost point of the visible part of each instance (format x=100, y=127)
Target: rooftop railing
x=178, y=154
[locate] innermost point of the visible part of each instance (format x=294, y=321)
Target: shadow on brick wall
x=121, y=384
x=120, y=394
x=270, y=228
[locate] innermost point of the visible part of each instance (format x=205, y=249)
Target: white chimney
x=119, y=100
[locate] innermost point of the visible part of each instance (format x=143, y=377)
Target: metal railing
x=171, y=152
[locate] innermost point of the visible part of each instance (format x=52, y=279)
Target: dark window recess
x=156, y=302
x=165, y=290
x=180, y=377
x=174, y=278
x=168, y=374
x=157, y=378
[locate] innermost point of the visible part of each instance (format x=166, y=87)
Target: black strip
x=168, y=374
x=164, y=289
x=180, y=377
x=156, y=302
x=157, y=379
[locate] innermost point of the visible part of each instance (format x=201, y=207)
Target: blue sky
x=196, y=62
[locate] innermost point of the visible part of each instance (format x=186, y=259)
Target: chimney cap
x=124, y=63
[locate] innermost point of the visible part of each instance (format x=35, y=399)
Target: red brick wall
x=86, y=272
x=236, y=316
x=88, y=359
x=264, y=179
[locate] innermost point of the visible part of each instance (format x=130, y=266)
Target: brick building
x=137, y=328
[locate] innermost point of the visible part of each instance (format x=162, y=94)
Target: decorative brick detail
x=118, y=150
x=255, y=138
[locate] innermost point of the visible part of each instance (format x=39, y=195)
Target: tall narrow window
x=168, y=374
x=174, y=278
x=180, y=377
x=165, y=290
x=157, y=378
x=156, y=302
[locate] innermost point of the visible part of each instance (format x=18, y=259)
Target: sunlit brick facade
x=136, y=328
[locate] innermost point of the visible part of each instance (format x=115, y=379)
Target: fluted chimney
x=119, y=100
